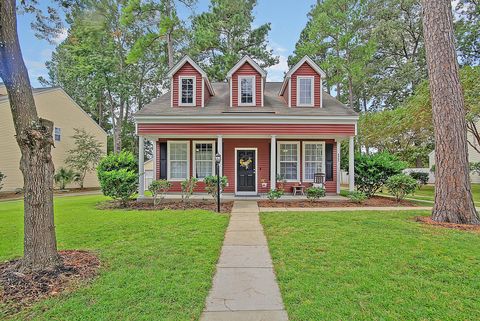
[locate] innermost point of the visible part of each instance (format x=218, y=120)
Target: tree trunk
x=350, y=92
x=34, y=137
x=453, y=197
x=168, y=7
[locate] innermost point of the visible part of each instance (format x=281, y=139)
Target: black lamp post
x=218, y=159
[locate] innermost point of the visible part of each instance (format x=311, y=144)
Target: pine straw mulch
x=18, y=290
x=463, y=227
x=375, y=201
x=168, y=204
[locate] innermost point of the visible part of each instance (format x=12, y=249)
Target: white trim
x=339, y=157
x=351, y=164
x=171, y=91
x=254, y=91
x=273, y=163
x=194, y=101
x=296, y=142
x=312, y=64
x=249, y=119
x=169, y=142
x=289, y=92
x=312, y=91
x=261, y=89
x=141, y=168
x=231, y=92
x=241, y=62
x=154, y=159
x=321, y=92
x=182, y=62
x=203, y=92
x=256, y=170
x=303, y=157
x=194, y=150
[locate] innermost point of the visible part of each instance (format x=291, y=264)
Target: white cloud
x=277, y=72
x=61, y=36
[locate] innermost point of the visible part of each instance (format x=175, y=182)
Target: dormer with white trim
x=247, y=83
x=302, y=86
x=189, y=85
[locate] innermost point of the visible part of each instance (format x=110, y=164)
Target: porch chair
x=319, y=180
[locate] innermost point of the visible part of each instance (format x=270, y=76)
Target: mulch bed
x=18, y=290
x=463, y=227
x=209, y=205
x=376, y=201
x=19, y=195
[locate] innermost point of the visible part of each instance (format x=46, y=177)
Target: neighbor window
x=58, y=134
x=288, y=157
x=247, y=90
x=187, y=91
x=178, y=164
x=305, y=91
x=204, y=159
x=313, y=159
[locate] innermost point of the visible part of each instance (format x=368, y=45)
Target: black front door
x=246, y=170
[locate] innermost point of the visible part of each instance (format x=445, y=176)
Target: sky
x=287, y=18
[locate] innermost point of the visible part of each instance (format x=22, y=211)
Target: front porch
x=252, y=164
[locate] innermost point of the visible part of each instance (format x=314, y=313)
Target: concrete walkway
x=345, y=209
x=244, y=287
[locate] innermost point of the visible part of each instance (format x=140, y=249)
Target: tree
x=2, y=177
x=65, y=176
x=34, y=138
x=467, y=31
x=453, y=197
x=86, y=154
x=224, y=34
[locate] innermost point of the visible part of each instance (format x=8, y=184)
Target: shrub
x=357, y=197
x=372, y=171
x=401, y=185
x=117, y=174
x=432, y=169
x=211, y=185
x=64, y=177
x=475, y=167
x=2, y=177
x=188, y=185
x=275, y=194
x=158, y=188
x=421, y=177
x=314, y=193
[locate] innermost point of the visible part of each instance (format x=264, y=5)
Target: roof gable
x=244, y=60
x=310, y=62
x=182, y=62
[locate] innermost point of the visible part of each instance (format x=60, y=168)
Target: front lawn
x=155, y=265
x=373, y=266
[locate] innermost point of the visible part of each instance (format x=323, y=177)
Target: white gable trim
x=182, y=62
x=305, y=59
x=242, y=61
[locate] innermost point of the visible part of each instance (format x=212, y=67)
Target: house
x=53, y=104
x=263, y=130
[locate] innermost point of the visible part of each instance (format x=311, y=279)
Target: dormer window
x=247, y=91
x=187, y=91
x=305, y=91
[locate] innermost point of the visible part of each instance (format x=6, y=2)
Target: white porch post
x=154, y=142
x=351, y=165
x=339, y=171
x=273, y=163
x=141, y=170
x=220, y=151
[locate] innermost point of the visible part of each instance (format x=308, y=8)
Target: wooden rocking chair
x=319, y=180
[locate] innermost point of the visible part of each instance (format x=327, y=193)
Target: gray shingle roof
x=219, y=104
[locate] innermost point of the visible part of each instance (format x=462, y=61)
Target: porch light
x=218, y=158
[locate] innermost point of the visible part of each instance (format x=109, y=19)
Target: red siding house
x=265, y=131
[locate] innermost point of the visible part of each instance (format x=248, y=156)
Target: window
x=178, y=155
x=187, y=91
x=305, y=91
x=247, y=90
x=58, y=134
x=204, y=161
x=288, y=157
x=313, y=159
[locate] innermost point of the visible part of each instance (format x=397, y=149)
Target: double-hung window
x=178, y=155
x=204, y=159
x=187, y=91
x=58, y=134
x=313, y=159
x=288, y=160
x=305, y=91
x=246, y=90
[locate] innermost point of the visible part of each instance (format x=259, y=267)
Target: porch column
x=351, y=165
x=273, y=163
x=220, y=151
x=339, y=171
x=154, y=144
x=141, y=170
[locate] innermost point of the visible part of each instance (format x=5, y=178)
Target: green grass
x=155, y=265
x=373, y=266
x=427, y=193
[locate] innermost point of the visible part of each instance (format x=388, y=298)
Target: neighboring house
x=55, y=105
x=262, y=130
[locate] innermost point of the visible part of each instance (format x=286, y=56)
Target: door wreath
x=245, y=163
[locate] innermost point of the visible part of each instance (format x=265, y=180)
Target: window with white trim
x=204, y=159
x=178, y=165
x=247, y=90
x=187, y=91
x=58, y=134
x=313, y=159
x=305, y=91
x=288, y=160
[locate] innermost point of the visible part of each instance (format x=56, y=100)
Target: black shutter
x=163, y=160
x=329, y=162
